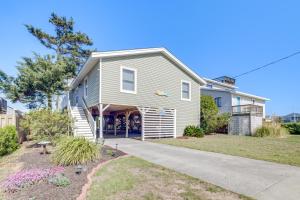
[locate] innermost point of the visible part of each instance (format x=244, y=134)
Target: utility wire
x=268, y=64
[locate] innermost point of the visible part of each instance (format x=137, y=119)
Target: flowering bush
x=24, y=178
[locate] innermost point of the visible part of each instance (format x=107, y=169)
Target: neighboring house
x=8, y=115
x=292, y=117
x=3, y=106
x=143, y=92
x=240, y=104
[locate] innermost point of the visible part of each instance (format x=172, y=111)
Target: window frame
x=190, y=90
x=85, y=87
x=121, y=80
x=218, y=101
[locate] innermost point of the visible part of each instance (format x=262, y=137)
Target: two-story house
x=142, y=92
x=245, y=108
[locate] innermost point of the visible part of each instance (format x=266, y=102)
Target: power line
x=268, y=64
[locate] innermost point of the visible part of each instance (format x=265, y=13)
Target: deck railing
x=248, y=109
x=71, y=128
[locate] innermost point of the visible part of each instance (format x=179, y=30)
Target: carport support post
x=115, y=124
x=142, y=112
x=127, y=123
x=100, y=120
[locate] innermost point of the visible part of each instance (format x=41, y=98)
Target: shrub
x=8, y=140
x=193, y=131
x=45, y=124
x=211, y=121
x=262, y=132
x=24, y=178
x=293, y=128
x=59, y=180
x=272, y=130
x=73, y=151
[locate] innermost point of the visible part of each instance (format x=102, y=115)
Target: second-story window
x=128, y=80
x=218, y=101
x=185, y=90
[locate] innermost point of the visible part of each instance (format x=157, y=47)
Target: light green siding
x=93, y=87
x=154, y=72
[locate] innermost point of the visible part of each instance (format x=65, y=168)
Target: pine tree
x=38, y=79
x=66, y=42
x=41, y=77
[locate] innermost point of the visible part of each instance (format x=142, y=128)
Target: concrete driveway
x=254, y=178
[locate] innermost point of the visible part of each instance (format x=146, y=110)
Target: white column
x=143, y=130
x=127, y=123
x=101, y=120
x=175, y=125
x=115, y=124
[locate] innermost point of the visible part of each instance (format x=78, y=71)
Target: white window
x=85, y=87
x=218, y=101
x=185, y=90
x=128, y=79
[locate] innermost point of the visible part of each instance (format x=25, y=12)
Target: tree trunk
x=49, y=99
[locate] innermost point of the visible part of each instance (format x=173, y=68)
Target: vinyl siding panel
x=154, y=72
x=225, y=99
x=93, y=88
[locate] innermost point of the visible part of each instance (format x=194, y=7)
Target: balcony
x=247, y=109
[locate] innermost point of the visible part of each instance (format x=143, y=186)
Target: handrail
x=247, y=108
x=90, y=118
x=69, y=108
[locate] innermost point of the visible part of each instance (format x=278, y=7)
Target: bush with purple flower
x=24, y=178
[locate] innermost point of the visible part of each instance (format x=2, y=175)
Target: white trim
x=175, y=125
x=250, y=95
x=105, y=107
x=121, y=80
x=190, y=90
x=236, y=93
x=85, y=87
x=100, y=120
x=91, y=61
x=100, y=80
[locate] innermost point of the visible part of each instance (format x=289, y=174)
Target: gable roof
x=95, y=56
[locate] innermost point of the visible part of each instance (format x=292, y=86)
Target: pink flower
x=28, y=177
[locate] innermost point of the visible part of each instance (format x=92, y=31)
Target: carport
x=136, y=121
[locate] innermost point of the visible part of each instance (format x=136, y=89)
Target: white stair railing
x=71, y=127
x=90, y=118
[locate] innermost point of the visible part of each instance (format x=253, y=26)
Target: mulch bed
x=46, y=191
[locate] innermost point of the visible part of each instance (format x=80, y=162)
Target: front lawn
x=281, y=150
x=133, y=178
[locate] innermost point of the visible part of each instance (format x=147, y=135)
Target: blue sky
x=213, y=38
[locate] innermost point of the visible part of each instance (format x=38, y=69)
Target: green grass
x=280, y=150
x=133, y=178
